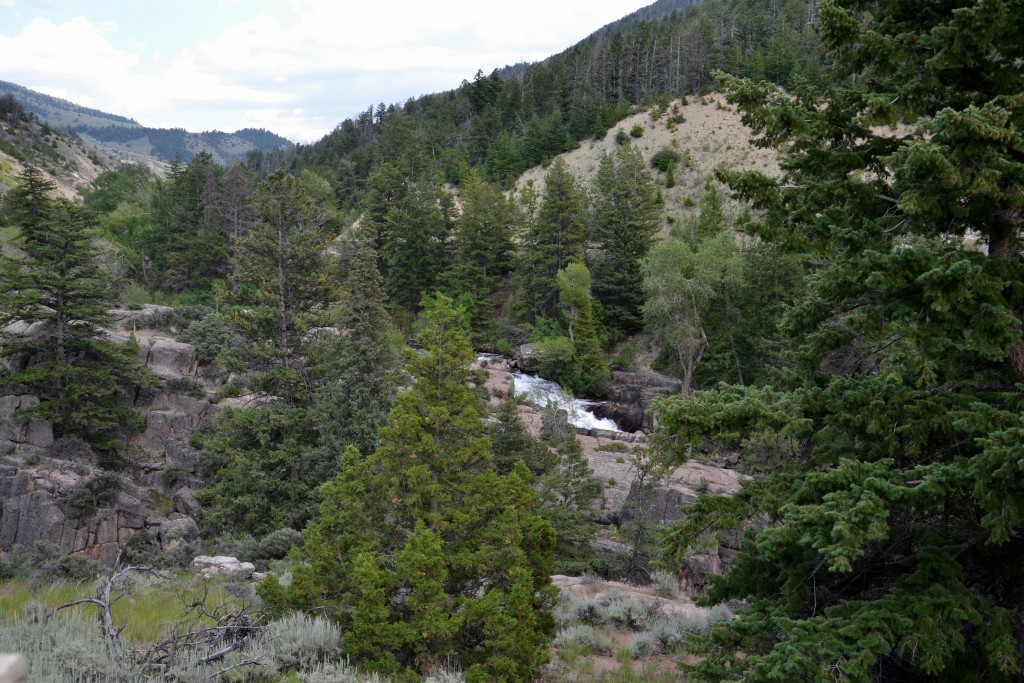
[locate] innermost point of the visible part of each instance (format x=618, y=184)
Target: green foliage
x=893, y=535
x=282, y=276
x=53, y=303
x=636, y=131
x=627, y=216
x=664, y=159
x=483, y=248
x=683, y=285
x=422, y=549
x=261, y=469
x=511, y=442
x=216, y=340
x=357, y=370
x=554, y=240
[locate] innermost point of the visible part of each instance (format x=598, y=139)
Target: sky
x=295, y=67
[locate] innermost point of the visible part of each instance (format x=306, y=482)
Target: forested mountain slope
x=126, y=140
x=507, y=124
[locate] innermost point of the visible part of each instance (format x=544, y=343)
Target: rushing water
x=541, y=392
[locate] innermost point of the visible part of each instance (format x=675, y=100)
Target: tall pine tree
x=894, y=543
x=53, y=313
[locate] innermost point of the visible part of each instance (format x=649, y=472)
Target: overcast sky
x=296, y=67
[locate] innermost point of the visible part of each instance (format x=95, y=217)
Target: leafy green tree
x=575, y=362
x=894, y=528
x=627, y=216
x=554, y=240
x=683, y=284
x=422, y=550
x=53, y=313
x=511, y=442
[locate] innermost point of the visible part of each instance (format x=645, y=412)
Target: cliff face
x=52, y=491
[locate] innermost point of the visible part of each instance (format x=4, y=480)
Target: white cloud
x=296, y=73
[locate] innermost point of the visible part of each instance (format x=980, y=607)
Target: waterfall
x=541, y=392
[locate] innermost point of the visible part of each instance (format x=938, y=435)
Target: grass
x=146, y=611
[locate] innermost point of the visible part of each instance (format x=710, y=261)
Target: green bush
x=215, y=339
x=637, y=131
x=621, y=138
x=664, y=159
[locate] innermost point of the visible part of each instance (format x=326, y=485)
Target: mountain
x=522, y=116
x=126, y=140
x=60, y=154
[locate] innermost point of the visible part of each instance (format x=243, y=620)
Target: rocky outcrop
x=145, y=317
x=223, y=565
x=170, y=422
x=177, y=530
x=19, y=436
x=37, y=506
x=630, y=395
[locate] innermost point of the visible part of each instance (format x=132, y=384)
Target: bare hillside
x=705, y=131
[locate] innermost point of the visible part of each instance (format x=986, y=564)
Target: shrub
x=641, y=645
x=214, y=337
x=664, y=159
x=626, y=611
x=174, y=476
x=621, y=138
x=588, y=611
x=668, y=633
x=585, y=637
x=665, y=584
x=71, y=448
x=299, y=641
x=96, y=493
x=613, y=447
x=637, y=131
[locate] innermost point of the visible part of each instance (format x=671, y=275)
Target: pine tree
x=556, y=239
x=359, y=373
x=483, y=247
x=53, y=311
x=422, y=550
x=282, y=274
x=894, y=535
x=627, y=216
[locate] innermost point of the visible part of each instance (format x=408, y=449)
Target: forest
x=843, y=338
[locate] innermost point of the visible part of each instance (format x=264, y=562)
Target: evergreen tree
x=422, y=550
x=627, y=216
x=188, y=248
x=360, y=370
x=556, y=239
x=53, y=313
x=281, y=276
x=894, y=534
x=483, y=247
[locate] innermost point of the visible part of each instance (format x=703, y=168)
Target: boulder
x=172, y=360
x=630, y=395
x=174, y=532
x=223, y=565
x=527, y=359
x=185, y=502
x=147, y=316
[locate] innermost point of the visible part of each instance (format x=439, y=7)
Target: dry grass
x=711, y=137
